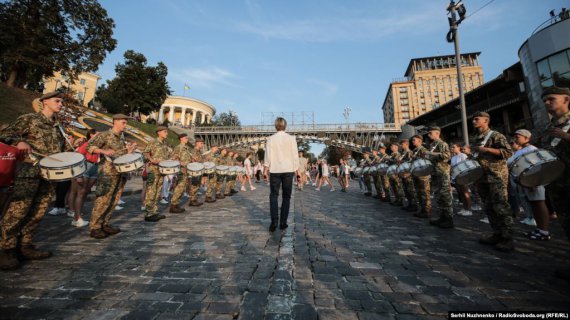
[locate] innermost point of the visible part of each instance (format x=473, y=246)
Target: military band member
x=221, y=160
x=383, y=178
x=110, y=183
x=157, y=150
x=213, y=156
x=230, y=179
x=236, y=163
x=421, y=184
x=364, y=163
x=557, y=140
x=38, y=133
x=439, y=155
x=375, y=176
x=195, y=181
x=491, y=149
x=183, y=153
x=395, y=159
x=407, y=180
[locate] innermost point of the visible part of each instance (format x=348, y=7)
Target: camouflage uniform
x=408, y=181
x=557, y=191
x=492, y=186
x=159, y=151
x=366, y=163
x=182, y=153
x=422, y=185
x=231, y=180
x=110, y=183
x=440, y=180
x=394, y=180
x=212, y=178
x=196, y=156
x=32, y=195
x=224, y=161
x=375, y=177
x=383, y=179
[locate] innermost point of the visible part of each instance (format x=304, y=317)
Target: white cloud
x=207, y=77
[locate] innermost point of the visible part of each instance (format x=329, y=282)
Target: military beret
x=417, y=136
x=394, y=144
x=404, y=141
x=524, y=133
x=120, y=116
x=434, y=128
x=382, y=146
x=366, y=150
x=482, y=114
x=213, y=146
x=160, y=128
x=51, y=95
x=555, y=90
x=198, y=140
x=182, y=135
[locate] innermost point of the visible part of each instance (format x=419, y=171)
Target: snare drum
x=372, y=170
x=358, y=171
x=195, y=169
x=382, y=168
x=421, y=168
x=466, y=172
x=128, y=162
x=404, y=169
x=222, y=170
x=209, y=168
x=536, y=168
x=366, y=171
x=62, y=166
x=392, y=170
x=233, y=171
x=166, y=167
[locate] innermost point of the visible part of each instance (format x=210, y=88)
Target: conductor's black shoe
x=272, y=227
x=153, y=218
x=283, y=226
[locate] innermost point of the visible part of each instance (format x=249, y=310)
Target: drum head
x=222, y=168
x=169, y=163
x=62, y=159
x=130, y=157
x=469, y=176
x=542, y=174
x=195, y=166
x=209, y=165
x=234, y=169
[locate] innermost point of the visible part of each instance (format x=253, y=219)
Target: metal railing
x=337, y=127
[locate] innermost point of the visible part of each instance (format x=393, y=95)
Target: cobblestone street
x=344, y=256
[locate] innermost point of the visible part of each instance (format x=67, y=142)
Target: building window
x=402, y=90
x=404, y=102
x=80, y=96
x=82, y=82
x=404, y=95
x=555, y=70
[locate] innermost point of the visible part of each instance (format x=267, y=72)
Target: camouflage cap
x=417, y=136
x=381, y=146
x=120, y=116
x=365, y=150
x=434, y=128
x=161, y=128
x=482, y=114
x=198, y=140
x=182, y=135
x=524, y=133
x=52, y=94
x=394, y=144
x=555, y=90
x=404, y=141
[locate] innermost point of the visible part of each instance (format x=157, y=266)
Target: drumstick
x=46, y=156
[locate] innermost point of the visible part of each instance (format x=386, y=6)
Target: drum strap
x=484, y=142
x=434, y=147
x=556, y=141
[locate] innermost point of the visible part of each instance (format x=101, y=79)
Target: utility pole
x=452, y=36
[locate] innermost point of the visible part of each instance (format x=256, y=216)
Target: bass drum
x=536, y=168
x=466, y=172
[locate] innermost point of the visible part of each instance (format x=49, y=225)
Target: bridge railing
x=336, y=127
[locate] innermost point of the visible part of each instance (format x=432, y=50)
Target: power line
x=474, y=12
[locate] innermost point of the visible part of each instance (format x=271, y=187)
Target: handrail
x=337, y=127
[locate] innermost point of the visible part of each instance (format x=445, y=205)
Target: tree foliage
x=136, y=86
x=226, y=119
x=333, y=154
x=40, y=37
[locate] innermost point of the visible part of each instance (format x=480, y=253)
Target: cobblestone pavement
x=344, y=256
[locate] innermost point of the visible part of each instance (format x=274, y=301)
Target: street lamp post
x=346, y=115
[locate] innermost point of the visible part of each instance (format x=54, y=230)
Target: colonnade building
x=185, y=112
x=428, y=83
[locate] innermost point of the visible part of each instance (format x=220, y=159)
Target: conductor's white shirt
x=281, y=153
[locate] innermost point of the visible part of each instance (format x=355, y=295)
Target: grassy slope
x=15, y=102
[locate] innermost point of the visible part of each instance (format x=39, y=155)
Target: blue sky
x=318, y=56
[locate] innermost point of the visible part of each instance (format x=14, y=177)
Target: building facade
x=83, y=88
x=428, y=83
x=545, y=59
x=185, y=112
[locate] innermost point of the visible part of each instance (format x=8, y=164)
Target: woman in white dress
x=325, y=176
x=248, y=172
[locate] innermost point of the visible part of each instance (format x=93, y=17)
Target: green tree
x=303, y=145
x=40, y=37
x=136, y=86
x=226, y=119
x=333, y=154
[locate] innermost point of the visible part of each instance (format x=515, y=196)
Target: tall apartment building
x=428, y=83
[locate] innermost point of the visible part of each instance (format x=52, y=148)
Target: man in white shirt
x=282, y=161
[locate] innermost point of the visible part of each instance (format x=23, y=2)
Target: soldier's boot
x=9, y=259
x=376, y=196
x=397, y=203
x=491, y=240
x=108, y=229
x=506, y=245
x=176, y=209
x=219, y=196
x=98, y=234
x=368, y=194
x=29, y=252
x=446, y=223
x=210, y=199
x=405, y=208
x=436, y=222
x=385, y=198
x=152, y=218
x=194, y=203
x=233, y=191
x=412, y=208
x=228, y=194
x=563, y=273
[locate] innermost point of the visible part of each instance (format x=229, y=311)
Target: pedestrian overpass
x=350, y=136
